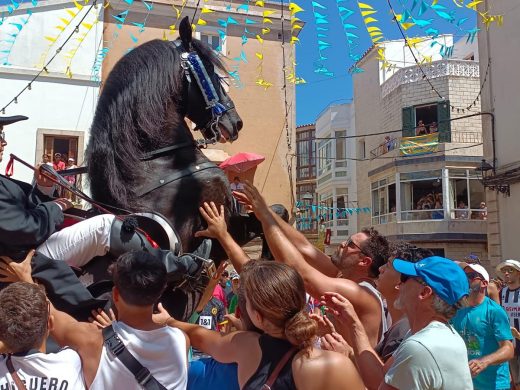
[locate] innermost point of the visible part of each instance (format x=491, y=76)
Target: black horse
x=142, y=155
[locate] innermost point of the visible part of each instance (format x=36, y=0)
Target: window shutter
x=408, y=122
x=443, y=114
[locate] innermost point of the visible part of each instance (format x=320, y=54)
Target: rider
x=31, y=217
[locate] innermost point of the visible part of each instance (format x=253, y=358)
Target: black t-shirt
x=393, y=337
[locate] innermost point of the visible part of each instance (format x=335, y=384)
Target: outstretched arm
x=217, y=229
x=369, y=364
x=310, y=253
x=316, y=283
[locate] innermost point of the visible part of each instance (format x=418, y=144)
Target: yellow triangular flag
x=364, y=6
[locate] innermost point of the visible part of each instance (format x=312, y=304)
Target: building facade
x=61, y=102
x=306, y=197
x=268, y=113
x=337, y=204
x=420, y=148
x=499, y=76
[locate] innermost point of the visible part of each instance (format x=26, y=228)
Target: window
x=325, y=157
x=466, y=195
x=421, y=195
x=383, y=201
x=361, y=149
x=427, y=118
x=341, y=149
x=305, y=162
x=211, y=40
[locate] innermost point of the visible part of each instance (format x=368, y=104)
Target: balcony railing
x=464, y=137
x=412, y=74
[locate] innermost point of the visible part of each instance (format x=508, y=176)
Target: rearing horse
x=142, y=109
x=141, y=154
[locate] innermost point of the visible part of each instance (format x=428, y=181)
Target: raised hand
x=335, y=342
x=256, y=200
x=340, y=307
x=215, y=219
x=102, y=319
x=324, y=324
x=11, y=271
x=162, y=316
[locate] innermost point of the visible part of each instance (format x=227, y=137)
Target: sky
x=320, y=91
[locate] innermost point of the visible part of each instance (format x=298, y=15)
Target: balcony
x=412, y=74
x=466, y=137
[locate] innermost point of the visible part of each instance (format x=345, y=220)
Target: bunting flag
x=86, y=27
x=368, y=14
x=322, y=213
x=61, y=27
x=266, y=21
x=178, y=13
x=296, y=26
x=242, y=56
x=348, y=29
x=322, y=28
x=205, y=10
x=7, y=44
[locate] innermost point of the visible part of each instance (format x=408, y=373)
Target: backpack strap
x=281, y=364
x=142, y=375
x=19, y=384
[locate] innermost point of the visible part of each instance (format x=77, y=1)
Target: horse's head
x=207, y=103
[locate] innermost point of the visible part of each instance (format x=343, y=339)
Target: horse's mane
x=139, y=103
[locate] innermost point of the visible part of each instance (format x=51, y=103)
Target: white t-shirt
x=433, y=358
x=57, y=371
x=162, y=351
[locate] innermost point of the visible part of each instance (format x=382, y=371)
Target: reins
x=51, y=175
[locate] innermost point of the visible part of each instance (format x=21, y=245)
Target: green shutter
x=443, y=114
x=408, y=122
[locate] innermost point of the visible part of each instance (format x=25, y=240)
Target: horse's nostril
x=239, y=125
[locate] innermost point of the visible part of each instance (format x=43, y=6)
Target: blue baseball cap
x=443, y=275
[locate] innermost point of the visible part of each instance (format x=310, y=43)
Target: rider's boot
x=180, y=268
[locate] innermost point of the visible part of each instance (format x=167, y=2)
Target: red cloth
x=219, y=293
x=59, y=166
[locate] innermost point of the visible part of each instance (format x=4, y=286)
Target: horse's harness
x=192, y=65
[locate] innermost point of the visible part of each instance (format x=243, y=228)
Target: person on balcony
x=433, y=128
x=421, y=129
x=462, y=211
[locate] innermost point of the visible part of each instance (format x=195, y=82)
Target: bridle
x=192, y=65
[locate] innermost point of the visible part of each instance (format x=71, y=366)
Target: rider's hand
x=64, y=203
x=102, y=319
x=11, y=271
x=41, y=179
x=217, y=227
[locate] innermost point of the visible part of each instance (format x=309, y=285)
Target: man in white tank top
x=139, y=280
x=24, y=327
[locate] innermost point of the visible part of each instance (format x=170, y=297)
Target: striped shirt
x=510, y=301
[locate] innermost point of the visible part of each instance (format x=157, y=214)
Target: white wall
x=55, y=101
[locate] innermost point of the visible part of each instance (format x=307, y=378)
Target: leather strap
x=281, y=364
x=176, y=176
x=19, y=384
x=142, y=375
x=167, y=150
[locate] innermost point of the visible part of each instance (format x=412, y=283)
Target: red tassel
x=9, y=169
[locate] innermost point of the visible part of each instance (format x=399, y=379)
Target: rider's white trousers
x=79, y=243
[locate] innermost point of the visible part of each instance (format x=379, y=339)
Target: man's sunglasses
x=404, y=279
x=474, y=275
x=353, y=245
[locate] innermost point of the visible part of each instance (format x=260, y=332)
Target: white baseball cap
x=479, y=269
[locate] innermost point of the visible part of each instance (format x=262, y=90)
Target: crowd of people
x=374, y=315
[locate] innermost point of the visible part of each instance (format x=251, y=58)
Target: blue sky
x=321, y=90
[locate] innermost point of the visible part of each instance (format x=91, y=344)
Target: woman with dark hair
x=283, y=357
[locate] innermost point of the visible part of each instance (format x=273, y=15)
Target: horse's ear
x=185, y=32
